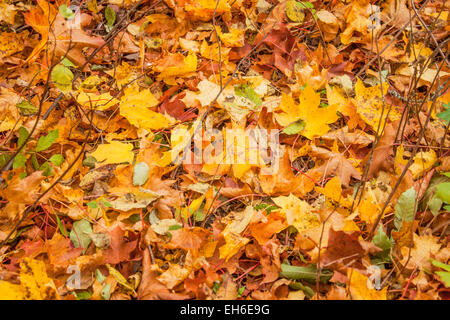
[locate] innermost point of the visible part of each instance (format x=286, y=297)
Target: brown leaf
x=150, y=288
x=337, y=164
x=342, y=247
x=23, y=190
x=383, y=155
x=120, y=249
x=188, y=238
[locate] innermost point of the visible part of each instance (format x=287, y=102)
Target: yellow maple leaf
x=213, y=53
x=316, y=119
x=369, y=105
x=332, y=190
x=34, y=283
x=233, y=240
x=176, y=65
x=11, y=43
x=136, y=106
x=335, y=96
x=174, y=275
x=204, y=9
x=368, y=209
x=98, y=102
x=358, y=18
x=425, y=247
x=186, y=212
x=298, y=212
x=361, y=287
x=114, y=152
x=422, y=162
x=233, y=38
x=124, y=74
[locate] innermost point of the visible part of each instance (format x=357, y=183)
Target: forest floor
x=229, y=149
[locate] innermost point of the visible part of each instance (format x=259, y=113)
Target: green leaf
x=300, y=286
x=198, y=215
x=216, y=286
x=175, y=227
x=110, y=16
x=443, y=275
x=4, y=158
x=382, y=241
x=92, y=204
x=447, y=174
x=99, y=275
x=445, y=115
x=269, y=208
x=83, y=295
x=89, y=161
x=405, y=208
x=140, y=173
x=247, y=92
x=34, y=162
x=23, y=135
x=295, y=128
x=240, y=291
x=46, y=141
x=308, y=6
x=305, y=273
x=66, y=62
x=107, y=204
x=26, y=108
x=19, y=161
x=435, y=205
x=66, y=12
x=441, y=265
x=46, y=168
x=79, y=235
x=56, y=159
x=62, y=77
x=443, y=191
x=61, y=227
x=106, y=292
x=97, y=67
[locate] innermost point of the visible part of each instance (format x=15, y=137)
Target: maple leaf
x=357, y=19
x=65, y=37
x=370, y=105
x=424, y=248
x=264, y=228
x=120, y=249
x=34, y=283
x=114, y=152
x=361, y=287
x=176, y=65
x=335, y=163
x=316, y=119
x=188, y=238
x=285, y=181
x=14, y=192
x=232, y=233
x=152, y=289
x=298, y=212
x=343, y=248
x=60, y=253
x=174, y=275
